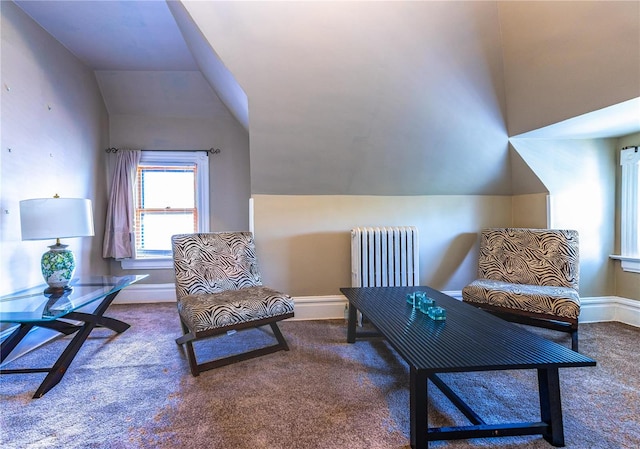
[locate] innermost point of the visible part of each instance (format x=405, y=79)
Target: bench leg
x=418, y=409
x=351, y=324
x=550, y=405
x=279, y=336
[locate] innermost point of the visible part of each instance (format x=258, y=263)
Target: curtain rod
x=209, y=151
x=632, y=146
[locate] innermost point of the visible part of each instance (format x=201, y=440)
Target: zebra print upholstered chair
x=219, y=290
x=529, y=276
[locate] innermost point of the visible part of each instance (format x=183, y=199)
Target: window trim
x=630, y=211
x=201, y=159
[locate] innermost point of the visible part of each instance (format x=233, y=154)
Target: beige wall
x=55, y=124
x=530, y=211
x=303, y=242
x=627, y=284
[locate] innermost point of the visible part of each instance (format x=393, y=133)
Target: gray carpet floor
x=134, y=390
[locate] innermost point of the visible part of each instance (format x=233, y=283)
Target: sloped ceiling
x=618, y=120
x=373, y=98
x=143, y=64
x=567, y=59
x=183, y=94
x=213, y=69
x=382, y=98
x=115, y=35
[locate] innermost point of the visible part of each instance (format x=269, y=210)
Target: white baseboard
x=592, y=310
x=305, y=307
x=600, y=309
x=610, y=308
x=319, y=307
x=146, y=293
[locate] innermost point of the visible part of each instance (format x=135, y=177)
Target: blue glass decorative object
x=426, y=303
x=411, y=299
x=437, y=313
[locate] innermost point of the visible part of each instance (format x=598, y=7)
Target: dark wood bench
x=468, y=340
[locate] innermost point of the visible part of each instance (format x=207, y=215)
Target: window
x=630, y=209
x=171, y=197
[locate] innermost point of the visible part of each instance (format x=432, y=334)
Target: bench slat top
x=468, y=340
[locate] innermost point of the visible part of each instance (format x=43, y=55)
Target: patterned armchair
x=219, y=289
x=529, y=276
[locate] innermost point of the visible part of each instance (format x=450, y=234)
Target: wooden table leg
x=550, y=405
x=99, y=320
x=91, y=320
x=59, y=368
x=418, y=409
x=9, y=343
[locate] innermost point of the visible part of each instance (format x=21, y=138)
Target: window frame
x=630, y=210
x=173, y=158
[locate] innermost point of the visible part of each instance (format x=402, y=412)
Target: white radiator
x=384, y=256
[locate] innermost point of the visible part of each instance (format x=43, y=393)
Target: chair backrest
x=214, y=262
x=547, y=257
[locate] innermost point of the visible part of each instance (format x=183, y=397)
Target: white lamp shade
x=55, y=218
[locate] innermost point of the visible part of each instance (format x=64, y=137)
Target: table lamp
x=56, y=218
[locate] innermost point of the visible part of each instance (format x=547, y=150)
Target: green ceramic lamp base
x=58, y=266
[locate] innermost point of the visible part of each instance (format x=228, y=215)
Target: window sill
x=628, y=263
x=164, y=263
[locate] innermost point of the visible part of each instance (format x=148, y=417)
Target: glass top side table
x=84, y=302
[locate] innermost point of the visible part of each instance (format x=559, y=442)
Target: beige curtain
x=119, y=224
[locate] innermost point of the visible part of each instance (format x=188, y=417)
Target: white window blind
x=165, y=205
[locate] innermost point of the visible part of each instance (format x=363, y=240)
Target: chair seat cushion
x=206, y=311
x=557, y=301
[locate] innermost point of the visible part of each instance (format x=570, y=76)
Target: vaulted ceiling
x=143, y=63
x=380, y=98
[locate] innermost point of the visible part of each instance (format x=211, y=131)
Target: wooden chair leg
x=196, y=368
x=574, y=340
x=279, y=336
x=191, y=356
x=187, y=341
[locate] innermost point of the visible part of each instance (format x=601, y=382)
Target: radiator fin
x=384, y=256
